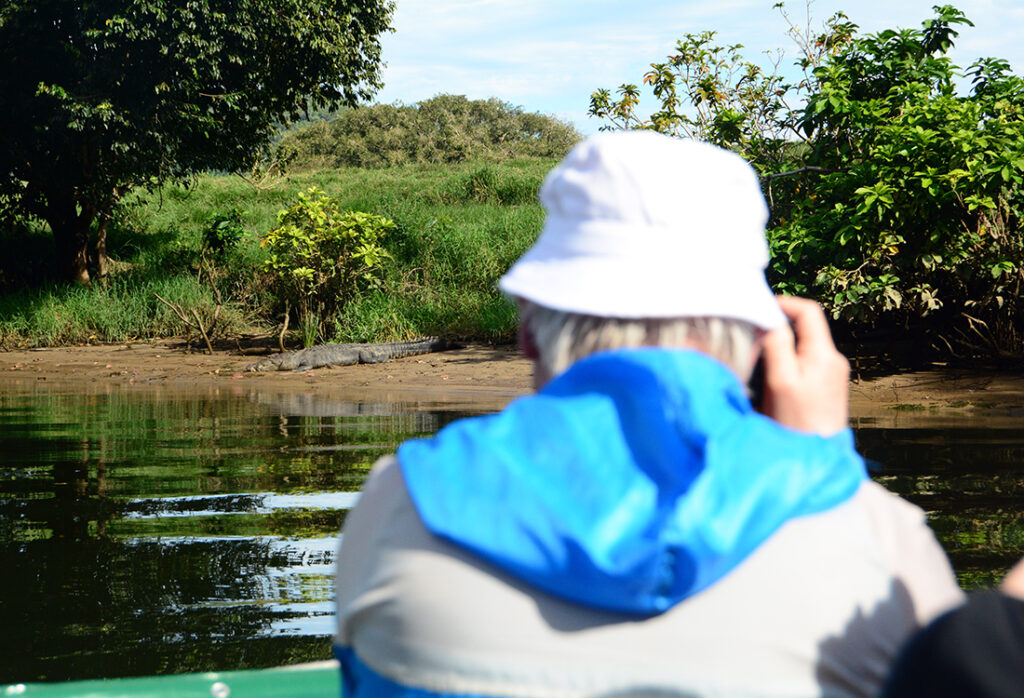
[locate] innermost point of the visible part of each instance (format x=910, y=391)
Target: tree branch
x=809, y=168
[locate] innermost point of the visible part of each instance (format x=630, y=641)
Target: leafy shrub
x=443, y=129
x=918, y=209
x=321, y=257
x=894, y=196
x=223, y=232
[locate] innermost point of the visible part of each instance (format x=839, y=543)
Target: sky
x=548, y=56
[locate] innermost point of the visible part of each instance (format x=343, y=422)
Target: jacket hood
x=630, y=482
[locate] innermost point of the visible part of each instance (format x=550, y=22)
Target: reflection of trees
x=186, y=442
x=971, y=483
x=99, y=581
x=63, y=505
x=77, y=501
x=106, y=607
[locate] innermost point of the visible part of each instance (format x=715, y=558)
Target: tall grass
x=119, y=311
x=459, y=227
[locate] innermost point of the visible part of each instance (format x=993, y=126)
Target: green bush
x=443, y=129
x=321, y=256
x=894, y=196
x=918, y=209
x=223, y=232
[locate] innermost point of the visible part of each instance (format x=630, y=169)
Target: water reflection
x=213, y=505
x=165, y=532
x=160, y=531
x=970, y=480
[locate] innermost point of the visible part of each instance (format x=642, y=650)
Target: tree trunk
x=99, y=250
x=71, y=236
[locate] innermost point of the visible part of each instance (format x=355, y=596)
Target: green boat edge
x=313, y=679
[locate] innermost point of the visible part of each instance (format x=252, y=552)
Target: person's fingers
x=809, y=323
x=779, y=352
x=805, y=376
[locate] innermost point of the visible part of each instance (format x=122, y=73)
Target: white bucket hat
x=643, y=225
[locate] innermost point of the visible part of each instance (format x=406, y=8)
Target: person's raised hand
x=806, y=379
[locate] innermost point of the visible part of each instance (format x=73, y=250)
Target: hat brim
x=606, y=286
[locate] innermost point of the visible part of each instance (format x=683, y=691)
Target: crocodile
x=348, y=354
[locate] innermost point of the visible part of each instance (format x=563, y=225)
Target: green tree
x=916, y=210
x=707, y=92
x=104, y=95
x=895, y=196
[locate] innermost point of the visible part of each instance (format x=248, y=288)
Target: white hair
x=562, y=338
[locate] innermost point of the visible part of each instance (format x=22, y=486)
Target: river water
x=168, y=531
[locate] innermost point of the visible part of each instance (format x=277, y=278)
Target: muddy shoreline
x=488, y=376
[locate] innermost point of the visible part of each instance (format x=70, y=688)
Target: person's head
x=648, y=241
x=555, y=339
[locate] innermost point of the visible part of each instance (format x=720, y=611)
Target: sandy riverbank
x=492, y=374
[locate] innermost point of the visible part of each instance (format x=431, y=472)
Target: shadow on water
x=167, y=532
x=151, y=531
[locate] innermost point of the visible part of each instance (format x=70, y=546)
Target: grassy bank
x=458, y=228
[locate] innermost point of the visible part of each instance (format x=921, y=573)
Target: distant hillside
x=443, y=129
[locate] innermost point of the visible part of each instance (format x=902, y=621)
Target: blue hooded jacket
x=634, y=480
